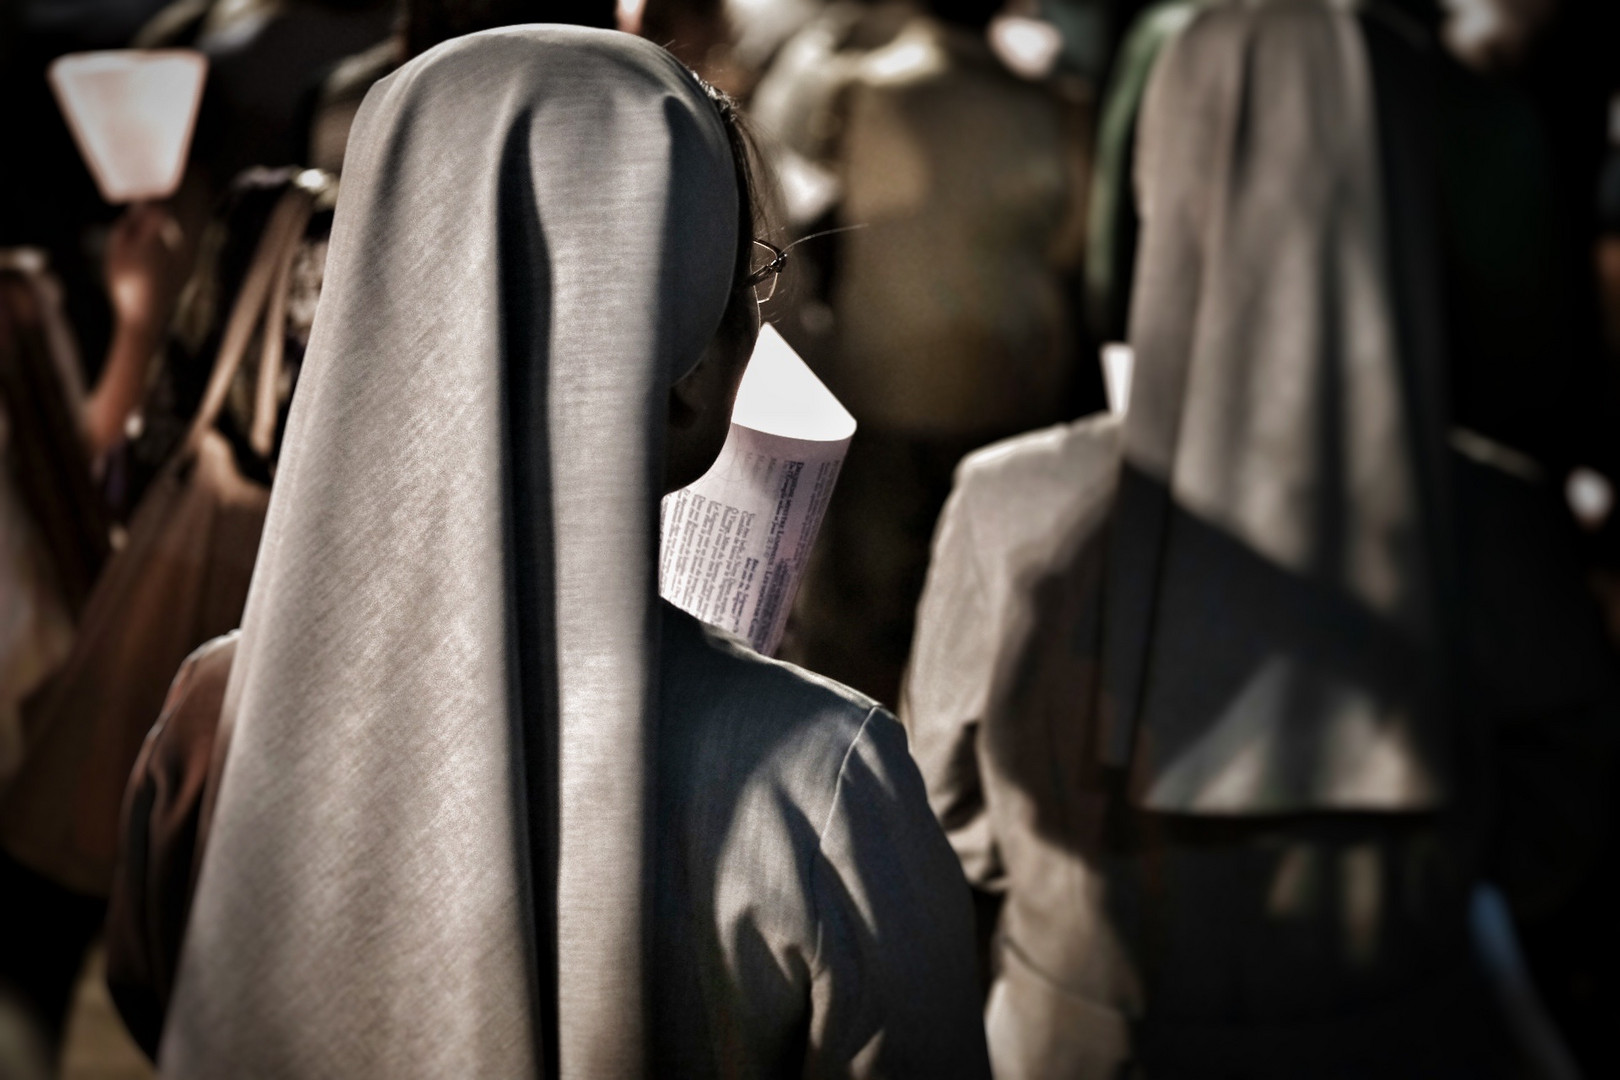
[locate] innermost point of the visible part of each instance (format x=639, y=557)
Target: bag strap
x=262, y=433
x=277, y=246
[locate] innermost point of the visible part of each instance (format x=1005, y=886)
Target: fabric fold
x=429, y=854
x=1273, y=639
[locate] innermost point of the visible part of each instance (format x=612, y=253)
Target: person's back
x=482, y=795
x=1151, y=695
x=950, y=317
x=801, y=894
x=950, y=303
x=1274, y=946
x=802, y=883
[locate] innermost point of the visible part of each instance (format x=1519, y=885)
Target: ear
x=692, y=394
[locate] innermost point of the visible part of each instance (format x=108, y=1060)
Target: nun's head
x=700, y=401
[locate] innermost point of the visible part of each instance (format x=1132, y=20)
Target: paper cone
x=781, y=396
x=736, y=542
x=1118, y=362
x=132, y=113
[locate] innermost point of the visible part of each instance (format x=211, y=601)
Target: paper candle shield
x=736, y=542
x=1119, y=362
x=131, y=112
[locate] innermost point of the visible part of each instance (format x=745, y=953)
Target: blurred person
x=697, y=32
x=951, y=319
x=47, y=197
x=1232, y=703
x=1606, y=249
x=135, y=419
x=52, y=535
x=1548, y=74
x=54, y=539
x=762, y=27
x=422, y=25
x=1573, y=947
x=143, y=260
x=1112, y=224
x=481, y=801
x=227, y=244
x=263, y=57
x=795, y=103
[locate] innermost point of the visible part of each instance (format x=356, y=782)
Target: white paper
x=131, y=112
x=1118, y=360
x=735, y=543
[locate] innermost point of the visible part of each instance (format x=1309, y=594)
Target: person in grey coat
x=481, y=804
x=1233, y=702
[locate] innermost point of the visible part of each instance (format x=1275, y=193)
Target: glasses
x=766, y=265
x=768, y=261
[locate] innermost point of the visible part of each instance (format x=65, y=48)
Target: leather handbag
x=180, y=579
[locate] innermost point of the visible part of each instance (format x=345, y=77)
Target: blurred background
x=982, y=152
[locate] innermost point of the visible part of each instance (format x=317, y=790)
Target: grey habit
x=1184, y=686
x=487, y=808
x=1273, y=640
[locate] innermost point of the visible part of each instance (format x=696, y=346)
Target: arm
x=144, y=255
x=161, y=835
x=947, y=690
x=894, y=990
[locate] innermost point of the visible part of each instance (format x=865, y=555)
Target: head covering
x=1273, y=638
x=429, y=853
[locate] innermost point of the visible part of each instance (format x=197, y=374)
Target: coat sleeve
x=947, y=690
x=160, y=836
x=894, y=990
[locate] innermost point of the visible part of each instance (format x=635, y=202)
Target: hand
x=143, y=266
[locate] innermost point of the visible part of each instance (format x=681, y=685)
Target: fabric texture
x=1274, y=640
x=1271, y=933
x=809, y=919
x=429, y=853
x=1265, y=945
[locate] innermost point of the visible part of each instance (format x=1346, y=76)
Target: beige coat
x=1273, y=947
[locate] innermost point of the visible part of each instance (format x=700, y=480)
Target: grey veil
x=428, y=854
x=1274, y=638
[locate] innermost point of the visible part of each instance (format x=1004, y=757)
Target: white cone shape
x=735, y=543
x=132, y=113
x=1118, y=362
x=780, y=395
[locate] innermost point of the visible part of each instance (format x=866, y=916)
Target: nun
x=482, y=804
x=1231, y=705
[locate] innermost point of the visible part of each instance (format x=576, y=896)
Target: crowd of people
x=1251, y=712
